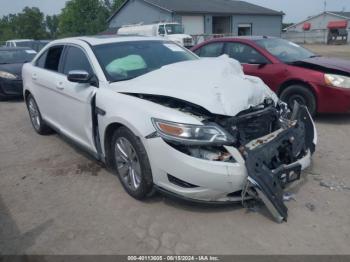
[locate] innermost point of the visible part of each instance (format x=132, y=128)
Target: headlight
x=192, y=134
x=7, y=75
x=337, y=80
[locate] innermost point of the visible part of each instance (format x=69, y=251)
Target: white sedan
x=166, y=120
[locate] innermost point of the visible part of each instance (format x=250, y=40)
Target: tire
x=130, y=162
x=302, y=95
x=38, y=123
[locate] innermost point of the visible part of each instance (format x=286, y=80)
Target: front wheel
x=300, y=94
x=131, y=163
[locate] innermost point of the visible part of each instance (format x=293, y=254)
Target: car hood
x=326, y=64
x=216, y=84
x=15, y=69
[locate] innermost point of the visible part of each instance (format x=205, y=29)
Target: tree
x=30, y=24
x=52, y=25
x=7, y=27
x=285, y=25
x=83, y=17
x=113, y=5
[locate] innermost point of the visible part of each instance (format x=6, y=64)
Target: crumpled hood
x=216, y=84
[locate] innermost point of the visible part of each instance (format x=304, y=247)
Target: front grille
x=188, y=41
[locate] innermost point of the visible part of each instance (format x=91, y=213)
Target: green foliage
x=285, y=25
x=30, y=23
x=83, y=17
x=78, y=17
x=113, y=5
x=52, y=25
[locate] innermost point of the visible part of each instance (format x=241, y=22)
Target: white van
x=19, y=43
x=171, y=31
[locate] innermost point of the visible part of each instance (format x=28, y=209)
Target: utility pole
x=325, y=6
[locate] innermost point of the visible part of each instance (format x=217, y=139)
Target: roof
x=14, y=48
x=344, y=14
x=20, y=40
x=105, y=39
x=339, y=14
x=207, y=7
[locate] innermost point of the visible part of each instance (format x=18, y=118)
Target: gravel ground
x=54, y=199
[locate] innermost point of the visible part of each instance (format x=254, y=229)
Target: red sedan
x=293, y=72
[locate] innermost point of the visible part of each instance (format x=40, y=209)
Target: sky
x=295, y=10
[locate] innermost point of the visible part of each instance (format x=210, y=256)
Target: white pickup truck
x=171, y=31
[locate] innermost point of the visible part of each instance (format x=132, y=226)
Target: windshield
x=172, y=29
x=285, y=51
x=127, y=60
x=16, y=56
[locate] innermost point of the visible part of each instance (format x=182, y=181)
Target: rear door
x=45, y=76
x=76, y=116
x=255, y=64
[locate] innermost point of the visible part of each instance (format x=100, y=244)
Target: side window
x=211, y=50
x=53, y=58
x=40, y=62
x=76, y=60
x=245, y=54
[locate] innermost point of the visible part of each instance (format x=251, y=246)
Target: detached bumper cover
x=265, y=157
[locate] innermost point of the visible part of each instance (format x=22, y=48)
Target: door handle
x=34, y=76
x=60, y=86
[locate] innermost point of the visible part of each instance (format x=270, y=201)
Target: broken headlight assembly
x=337, y=80
x=209, y=134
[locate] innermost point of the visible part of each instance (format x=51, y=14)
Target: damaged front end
x=276, y=160
x=276, y=144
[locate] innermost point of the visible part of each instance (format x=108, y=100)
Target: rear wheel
x=131, y=163
x=35, y=117
x=300, y=94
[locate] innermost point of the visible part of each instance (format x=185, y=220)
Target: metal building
x=202, y=17
x=327, y=27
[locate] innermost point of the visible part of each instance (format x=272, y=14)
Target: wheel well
x=301, y=83
x=107, y=139
x=26, y=94
x=295, y=82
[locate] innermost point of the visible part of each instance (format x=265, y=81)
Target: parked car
x=170, y=31
x=164, y=119
x=11, y=63
x=293, y=72
x=36, y=45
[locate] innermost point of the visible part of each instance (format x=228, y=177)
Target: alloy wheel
x=34, y=113
x=128, y=164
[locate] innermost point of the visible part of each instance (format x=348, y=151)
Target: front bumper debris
x=272, y=161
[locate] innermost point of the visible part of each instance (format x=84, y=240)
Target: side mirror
x=79, y=76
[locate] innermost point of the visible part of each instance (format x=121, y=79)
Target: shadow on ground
x=12, y=241
x=335, y=119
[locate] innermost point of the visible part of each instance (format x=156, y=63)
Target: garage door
x=194, y=25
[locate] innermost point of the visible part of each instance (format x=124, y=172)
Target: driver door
x=76, y=116
x=254, y=63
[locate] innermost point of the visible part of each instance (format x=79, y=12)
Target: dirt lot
x=54, y=199
x=341, y=51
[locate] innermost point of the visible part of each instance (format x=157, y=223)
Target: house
x=326, y=27
x=201, y=17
